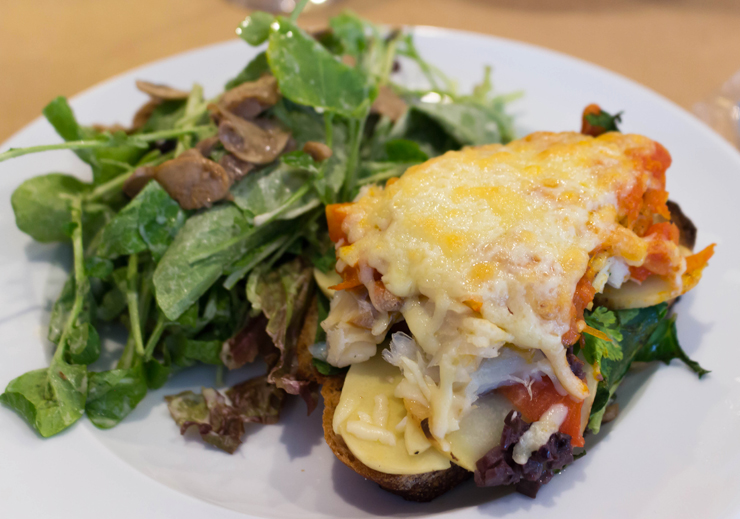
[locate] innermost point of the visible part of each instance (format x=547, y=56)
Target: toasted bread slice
x=415, y=487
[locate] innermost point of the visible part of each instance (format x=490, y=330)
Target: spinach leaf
x=255, y=28
x=49, y=399
x=113, y=394
x=178, y=283
x=150, y=221
x=309, y=74
x=41, y=205
x=252, y=72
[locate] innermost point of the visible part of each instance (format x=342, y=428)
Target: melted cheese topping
x=485, y=247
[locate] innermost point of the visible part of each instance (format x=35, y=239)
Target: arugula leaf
x=252, y=72
x=255, y=29
x=41, y=205
x=61, y=309
x=178, y=283
x=113, y=394
x=605, y=120
x=49, y=399
x=309, y=74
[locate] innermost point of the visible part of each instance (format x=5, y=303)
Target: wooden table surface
x=683, y=49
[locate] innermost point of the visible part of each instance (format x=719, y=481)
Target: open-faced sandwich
x=491, y=301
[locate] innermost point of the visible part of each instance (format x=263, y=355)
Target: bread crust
x=413, y=487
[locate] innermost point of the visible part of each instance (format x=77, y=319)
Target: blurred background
x=683, y=49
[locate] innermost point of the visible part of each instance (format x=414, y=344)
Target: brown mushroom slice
x=242, y=98
x=250, y=142
x=163, y=92
x=318, y=150
x=193, y=180
x=207, y=145
x=138, y=179
x=389, y=104
x=143, y=114
x=235, y=167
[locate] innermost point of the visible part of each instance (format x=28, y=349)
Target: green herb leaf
x=150, y=221
x=327, y=369
x=470, y=124
x=61, y=117
x=114, y=394
x=41, y=205
x=186, y=352
x=605, y=120
x=49, y=399
x=663, y=345
x=164, y=116
x=255, y=28
x=402, y=150
x=83, y=342
x=99, y=268
x=252, y=72
x=309, y=74
x=595, y=348
x=350, y=31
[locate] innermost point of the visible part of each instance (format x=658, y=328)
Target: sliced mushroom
x=235, y=167
x=138, y=179
x=249, y=99
x=162, y=92
x=318, y=150
x=389, y=104
x=256, y=143
x=207, y=145
x=143, y=114
x=193, y=180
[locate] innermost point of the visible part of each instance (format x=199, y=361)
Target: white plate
x=672, y=453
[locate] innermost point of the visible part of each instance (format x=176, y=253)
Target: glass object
x=721, y=110
x=278, y=6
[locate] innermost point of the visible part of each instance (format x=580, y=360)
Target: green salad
x=203, y=227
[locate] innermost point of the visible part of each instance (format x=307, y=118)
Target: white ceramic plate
x=672, y=453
